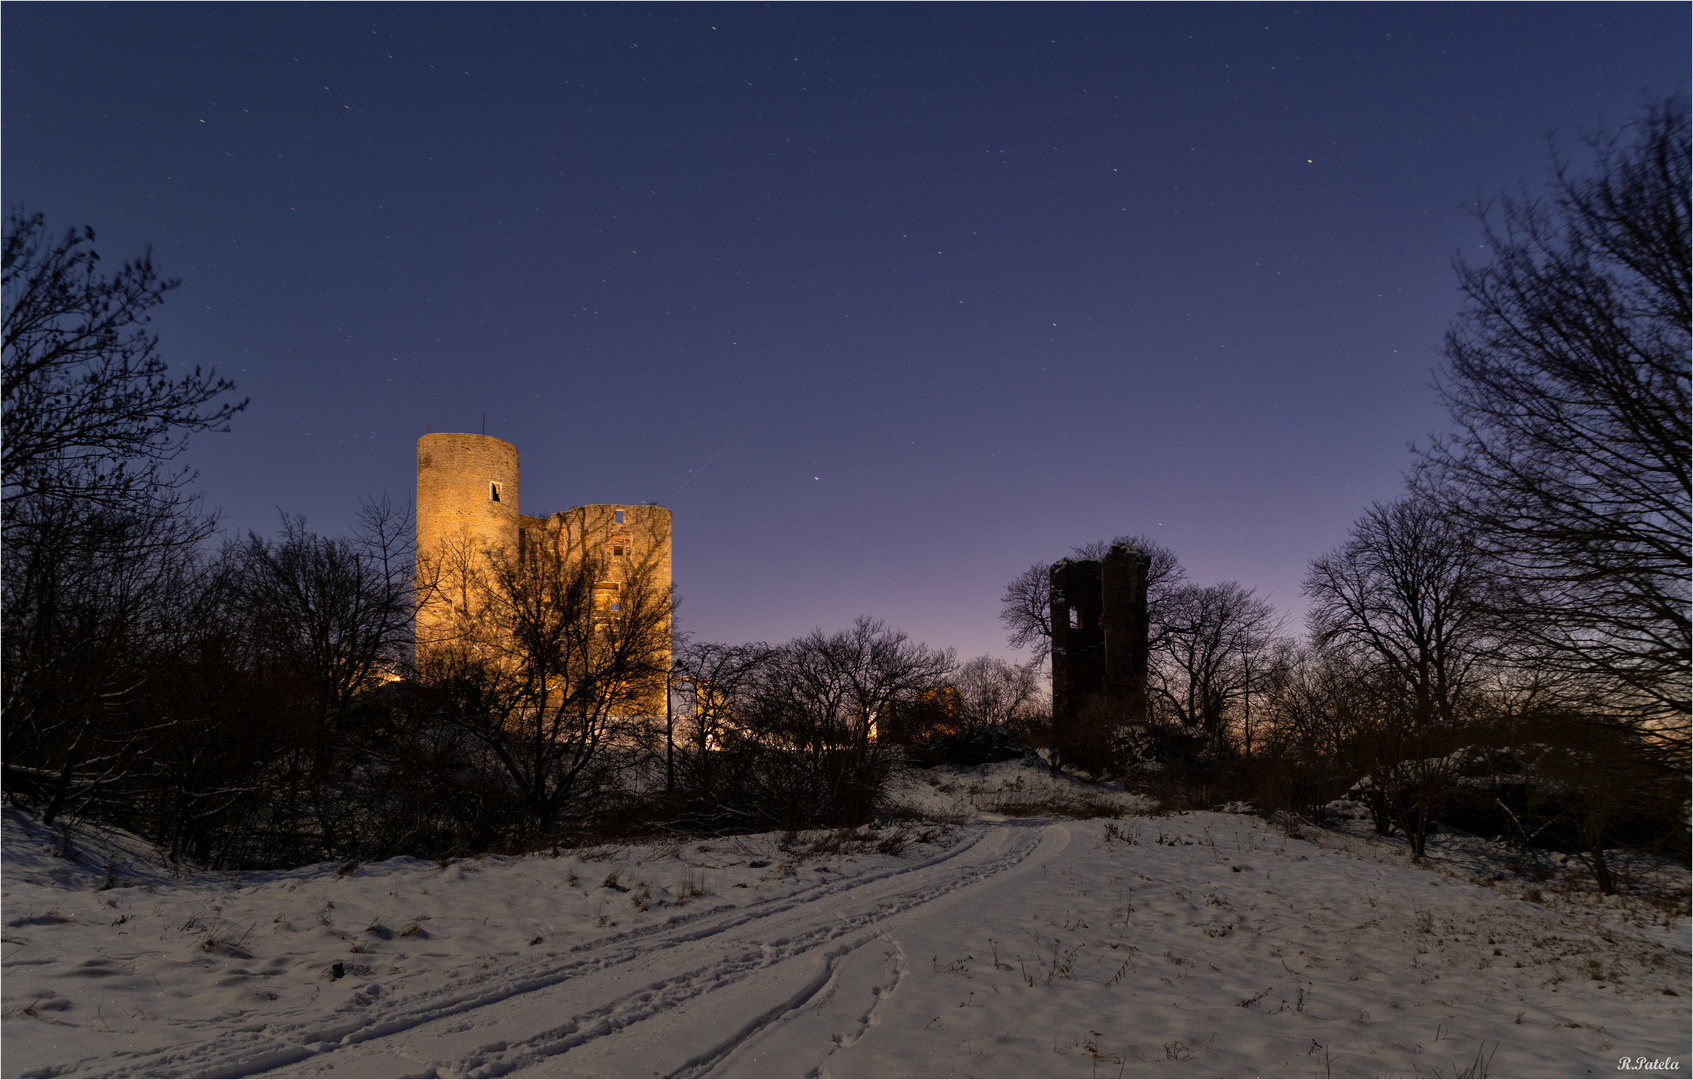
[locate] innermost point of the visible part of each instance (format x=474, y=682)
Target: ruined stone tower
x=1099, y=634
x=468, y=517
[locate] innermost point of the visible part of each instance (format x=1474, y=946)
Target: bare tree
x=719, y=678
x=329, y=619
x=844, y=683
x=89, y=592
x=336, y=610
x=1026, y=610
x=1314, y=705
x=1026, y=604
x=1407, y=591
x=1406, y=597
x=995, y=692
x=815, y=711
x=554, y=667
x=92, y=411
x=97, y=531
x=1203, y=661
x=1610, y=788
x=1567, y=379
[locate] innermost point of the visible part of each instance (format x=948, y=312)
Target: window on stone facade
x=619, y=516
x=1075, y=619
x=493, y=491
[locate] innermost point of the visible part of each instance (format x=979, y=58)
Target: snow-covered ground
x=989, y=940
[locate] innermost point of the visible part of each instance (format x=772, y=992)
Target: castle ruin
x=1099, y=635
x=467, y=507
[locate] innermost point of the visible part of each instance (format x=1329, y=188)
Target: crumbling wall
x=1099, y=641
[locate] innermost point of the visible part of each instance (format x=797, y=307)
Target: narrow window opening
x=493, y=491
x=617, y=551
x=1075, y=619
x=619, y=516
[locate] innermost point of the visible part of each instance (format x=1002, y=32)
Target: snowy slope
x=1201, y=944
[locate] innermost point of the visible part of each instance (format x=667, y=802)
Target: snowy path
x=1203, y=944
x=679, y=997
x=643, y=1004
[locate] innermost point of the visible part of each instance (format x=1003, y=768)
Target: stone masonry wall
x=467, y=499
x=467, y=508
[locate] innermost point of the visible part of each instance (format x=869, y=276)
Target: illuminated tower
x=467, y=518
x=466, y=511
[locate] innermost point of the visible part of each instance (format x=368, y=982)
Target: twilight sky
x=884, y=302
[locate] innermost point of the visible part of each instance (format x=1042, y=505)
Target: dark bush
x=975, y=746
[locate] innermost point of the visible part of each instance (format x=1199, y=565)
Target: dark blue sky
x=937, y=291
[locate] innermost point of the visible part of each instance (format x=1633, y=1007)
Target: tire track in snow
x=734, y=943
x=826, y=929
x=469, y=992
x=791, y=932
x=803, y=1028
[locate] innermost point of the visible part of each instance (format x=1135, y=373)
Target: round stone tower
x=466, y=507
x=466, y=489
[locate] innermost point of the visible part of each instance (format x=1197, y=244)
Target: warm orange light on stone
x=467, y=506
